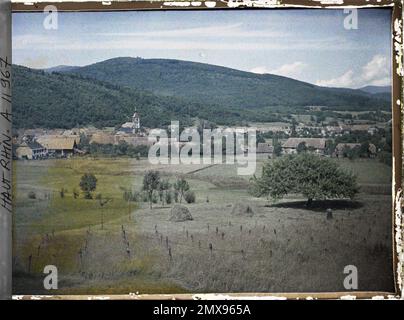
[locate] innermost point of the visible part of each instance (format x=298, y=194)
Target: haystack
x=242, y=209
x=180, y=213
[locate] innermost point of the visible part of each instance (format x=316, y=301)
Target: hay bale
x=180, y=213
x=242, y=209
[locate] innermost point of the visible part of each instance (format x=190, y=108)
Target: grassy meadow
x=124, y=247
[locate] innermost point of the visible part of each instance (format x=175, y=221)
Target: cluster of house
x=313, y=145
x=327, y=131
x=36, y=144
x=40, y=143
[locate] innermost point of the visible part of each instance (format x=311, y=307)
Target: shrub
x=155, y=197
x=136, y=196
x=169, y=197
x=144, y=197
x=31, y=195
x=189, y=197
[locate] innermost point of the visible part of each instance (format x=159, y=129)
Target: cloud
x=225, y=38
x=156, y=44
x=35, y=63
x=291, y=70
x=376, y=72
x=236, y=30
x=260, y=70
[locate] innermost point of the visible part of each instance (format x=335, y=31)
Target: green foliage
x=385, y=157
x=169, y=197
x=176, y=196
x=181, y=186
x=31, y=195
x=88, y=184
x=112, y=150
x=189, y=197
x=151, y=182
x=330, y=146
x=307, y=174
x=72, y=100
x=164, y=189
x=259, y=138
x=132, y=196
x=106, y=93
x=222, y=86
x=277, y=148
x=301, y=147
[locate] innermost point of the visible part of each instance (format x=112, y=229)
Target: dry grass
x=276, y=250
x=281, y=248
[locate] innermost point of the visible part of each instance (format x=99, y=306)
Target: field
x=124, y=247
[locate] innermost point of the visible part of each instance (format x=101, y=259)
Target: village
x=333, y=138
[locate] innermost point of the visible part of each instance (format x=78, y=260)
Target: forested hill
x=107, y=93
x=212, y=84
x=54, y=100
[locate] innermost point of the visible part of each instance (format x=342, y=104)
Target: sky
x=309, y=45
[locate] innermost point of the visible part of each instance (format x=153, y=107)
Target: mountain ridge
x=106, y=93
x=206, y=83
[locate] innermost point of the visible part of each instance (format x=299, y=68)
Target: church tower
x=136, y=122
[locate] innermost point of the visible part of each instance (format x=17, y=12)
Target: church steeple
x=136, y=122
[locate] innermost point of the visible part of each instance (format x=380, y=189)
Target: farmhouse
x=60, y=145
x=31, y=151
x=315, y=145
x=265, y=147
x=102, y=138
x=360, y=127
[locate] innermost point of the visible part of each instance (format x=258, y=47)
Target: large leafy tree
x=151, y=183
x=307, y=174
